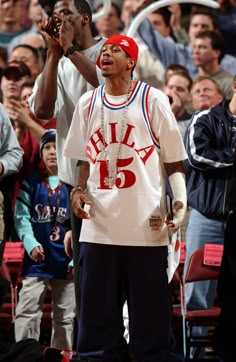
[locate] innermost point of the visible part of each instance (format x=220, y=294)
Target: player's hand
x=175, y=19
x=37, y=254
x=139, y=5
x=49, y=29
x=66, y=32
x=179, y=211
x=18, y=113
x=78, y=199
x=68, y=243
x=176, y=104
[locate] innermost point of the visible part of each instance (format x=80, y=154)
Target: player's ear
x=85, y=19
x=131, y=63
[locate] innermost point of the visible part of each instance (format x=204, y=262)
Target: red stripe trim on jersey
x=130, y=99
x=146, y=115
x=146, y=106
x=91, y=104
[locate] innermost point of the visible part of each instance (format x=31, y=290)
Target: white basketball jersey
x=133, y=147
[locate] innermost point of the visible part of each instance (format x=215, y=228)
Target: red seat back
x=198, y=270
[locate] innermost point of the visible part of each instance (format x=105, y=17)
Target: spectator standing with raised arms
x=124, y=156
x=170, y=53
x=64, y=79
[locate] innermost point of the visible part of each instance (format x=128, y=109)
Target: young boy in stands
x=41, y=223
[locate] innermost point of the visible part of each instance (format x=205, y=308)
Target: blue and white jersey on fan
x=135, y=145
x=41, y=220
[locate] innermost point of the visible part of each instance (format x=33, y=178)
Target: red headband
x=126, y=43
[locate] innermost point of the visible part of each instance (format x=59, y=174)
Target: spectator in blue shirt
x=168, y=52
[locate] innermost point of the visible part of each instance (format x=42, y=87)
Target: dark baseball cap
x=48, y=136
x=16, y=70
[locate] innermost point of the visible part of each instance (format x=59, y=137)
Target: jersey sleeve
x=164, y=125
x=75, y=145
x=22, y=217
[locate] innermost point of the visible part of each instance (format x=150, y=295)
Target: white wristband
x=178, y=186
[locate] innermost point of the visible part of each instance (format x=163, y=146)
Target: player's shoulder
x=85, y=100
x=86, y=97
x=155, y=93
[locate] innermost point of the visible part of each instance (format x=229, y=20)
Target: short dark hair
x=3, y=54
x=118, y=9
x=165, y=13
x=204, y=10
x=176, y=69
x=217, y=41
x=114, y=5
x=33, y=50
x=83, y=8
x=28, y=83
x=183, y=75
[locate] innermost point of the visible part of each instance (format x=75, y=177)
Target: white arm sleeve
x=178, y=186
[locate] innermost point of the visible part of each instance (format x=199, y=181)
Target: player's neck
x=52, y=171
x=86, y=41
x=119, y=86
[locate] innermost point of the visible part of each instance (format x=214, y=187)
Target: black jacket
x=226, y=332
x=208, y=143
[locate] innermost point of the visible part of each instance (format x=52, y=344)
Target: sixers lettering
x=46, y=214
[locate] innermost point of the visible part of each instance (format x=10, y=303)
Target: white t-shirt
x=71, y=86
x=133, y=211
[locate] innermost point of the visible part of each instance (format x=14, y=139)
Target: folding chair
x=14, y=251
x=199, y=270
x=13, y=257
x=177, y=277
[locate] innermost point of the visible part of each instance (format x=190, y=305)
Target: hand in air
x=49, y=28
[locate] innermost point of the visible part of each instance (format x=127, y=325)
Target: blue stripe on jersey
x=92, y=104
x=98, y=94
x=122, y=105
x=146, y=116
